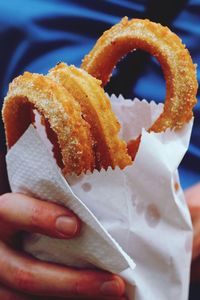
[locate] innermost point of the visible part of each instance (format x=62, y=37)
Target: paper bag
x=133, y=216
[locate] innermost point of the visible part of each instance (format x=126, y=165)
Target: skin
x=25, y=278
x=17, y=278
x=193, y=199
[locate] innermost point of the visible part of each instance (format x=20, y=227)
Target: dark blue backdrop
x=36, y=34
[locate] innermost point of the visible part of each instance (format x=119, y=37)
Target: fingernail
x=67, y=226
x=110, y=288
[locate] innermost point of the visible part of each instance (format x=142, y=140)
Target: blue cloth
x=36, y=34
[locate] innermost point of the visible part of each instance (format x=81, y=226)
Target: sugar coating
x=34, y=91
x=109, y=149
x=179, y=70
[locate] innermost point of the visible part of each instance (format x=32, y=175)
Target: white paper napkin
x=141, y=208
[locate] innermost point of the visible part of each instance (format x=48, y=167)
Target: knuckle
x=42, y=215
x=23, y=280
x=41, y=218
x=35, y=215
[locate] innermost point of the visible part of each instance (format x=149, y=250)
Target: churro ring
x=109, y=149
x=58, y=107
x=167, y=48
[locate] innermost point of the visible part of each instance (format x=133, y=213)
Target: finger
x=104, y=298
x=196, y=239
x=193, y=198
x=8, y=294
x=34, y=277
x=21, y=212
x=75, y=298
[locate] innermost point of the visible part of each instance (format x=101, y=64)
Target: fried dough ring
x=179, y=70
x=55, y=104
x=110, y=150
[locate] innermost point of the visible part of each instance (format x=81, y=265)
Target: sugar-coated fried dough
x=58, y=107
x=77, y=113
x=175, y=60
x=109, y=149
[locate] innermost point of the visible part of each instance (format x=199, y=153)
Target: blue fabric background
x=36, y=34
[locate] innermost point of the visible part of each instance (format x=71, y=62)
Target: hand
x=20, y=272
x=193, y=200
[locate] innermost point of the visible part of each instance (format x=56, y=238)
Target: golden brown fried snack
x=109, y=149
x=175, y=60
x=58, y=107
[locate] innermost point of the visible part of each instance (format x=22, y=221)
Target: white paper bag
x=136, y=215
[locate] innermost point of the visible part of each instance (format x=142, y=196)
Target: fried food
x=58, y=107
x=109, y=149
x=77, y=113
x=167, y=48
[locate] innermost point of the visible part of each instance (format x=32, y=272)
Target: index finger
x=21, y=212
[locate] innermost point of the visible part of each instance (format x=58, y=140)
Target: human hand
x=22, y=275
x=193, y=200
